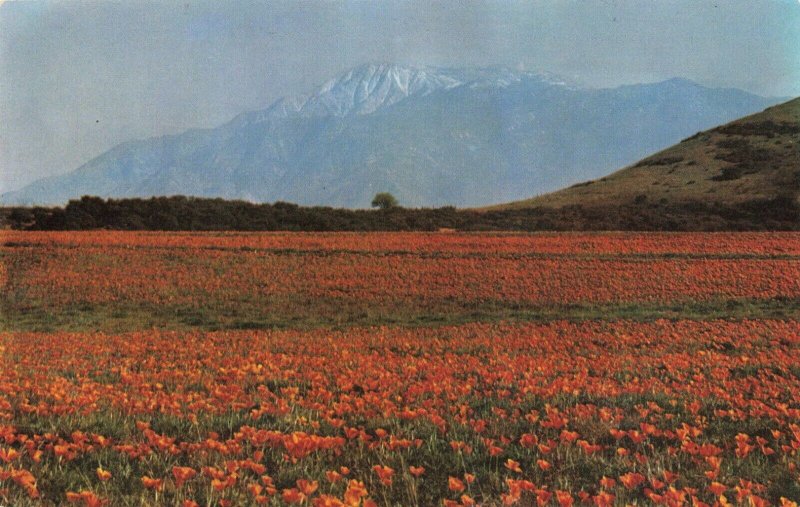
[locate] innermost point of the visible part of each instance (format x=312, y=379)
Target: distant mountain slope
x=432, y=137
x=756, y=157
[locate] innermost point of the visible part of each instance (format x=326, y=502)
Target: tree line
x=179, y=213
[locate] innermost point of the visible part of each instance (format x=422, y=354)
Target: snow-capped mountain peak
x=362, y=90
x=367, y=88
x=370, y=87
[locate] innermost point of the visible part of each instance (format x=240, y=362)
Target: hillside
x=430, y=136
x=754, y=158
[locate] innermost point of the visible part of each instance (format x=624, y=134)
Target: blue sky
x=78, y=77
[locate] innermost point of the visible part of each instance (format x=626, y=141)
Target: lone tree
x=384, y=200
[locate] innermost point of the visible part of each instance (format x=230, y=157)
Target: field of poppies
x=399, y=369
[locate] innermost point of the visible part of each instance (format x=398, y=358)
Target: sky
x=79, y=77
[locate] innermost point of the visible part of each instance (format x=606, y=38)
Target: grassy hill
x=754, y=158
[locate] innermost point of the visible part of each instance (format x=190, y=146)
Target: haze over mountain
x=753, y=158
x=430, y=136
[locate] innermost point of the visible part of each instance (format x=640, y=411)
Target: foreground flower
x=154, y=484
x=454, y=484
x=384, y=473
x=86, y=498
x=354, y=493
x=292, y=496
x=513, y=466
x=182, y=474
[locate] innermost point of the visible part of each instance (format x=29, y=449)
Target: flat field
x=399, y=369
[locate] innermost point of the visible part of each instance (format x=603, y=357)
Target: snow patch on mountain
x=371, y=87
x=362, y=90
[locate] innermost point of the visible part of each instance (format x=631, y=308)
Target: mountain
x=754, y=158
x=430, y=136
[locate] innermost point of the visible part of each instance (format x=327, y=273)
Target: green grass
x=343, y=313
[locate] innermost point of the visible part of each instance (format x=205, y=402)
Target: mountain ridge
x=432, y=136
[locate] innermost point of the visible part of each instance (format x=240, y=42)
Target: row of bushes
x=196, y=214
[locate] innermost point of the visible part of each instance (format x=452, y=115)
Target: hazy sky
x=76, y=78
